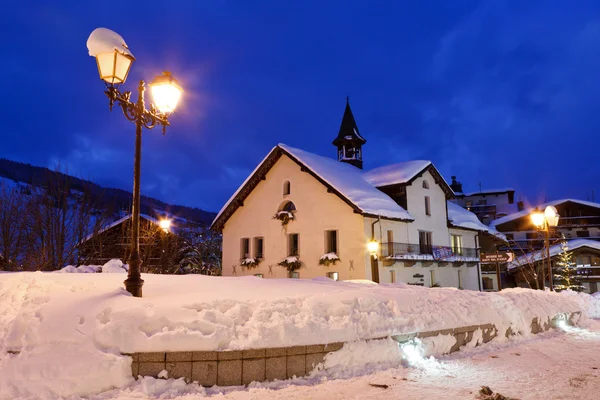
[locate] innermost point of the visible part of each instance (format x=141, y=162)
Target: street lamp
x=165, y=224
x=114, y=61
x=544, y=221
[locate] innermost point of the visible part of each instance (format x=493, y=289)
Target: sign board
x=489, y=258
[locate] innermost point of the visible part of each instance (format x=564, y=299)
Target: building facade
x=306, y=216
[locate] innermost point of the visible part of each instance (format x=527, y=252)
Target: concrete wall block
x=296, y=365
x=315, y=348
x=461, y=340
x=180, y=369
x=179, y=356
x=204, y=356
x=150, y=368
x=229, y=355
x=276, y=368
x=258, y=353
x=151, y=357
x=464, y=329
x=135, y=369
x=254, y=370
x=312, y=360
x=296, y=350
x=205, y=373
x=276, y=352
x=229, y=372
x=333, y=346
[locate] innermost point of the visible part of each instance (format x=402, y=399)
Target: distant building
x=488, y=204
x=531, y=267
x=301, y=215
x=158, y=248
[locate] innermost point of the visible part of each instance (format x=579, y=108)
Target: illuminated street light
x=544, y=221
x=114, y=60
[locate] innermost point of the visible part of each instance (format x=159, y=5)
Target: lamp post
x=373, y=248
x=544, y=221
x=114, y=61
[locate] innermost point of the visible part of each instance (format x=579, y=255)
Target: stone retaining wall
x=229, y=368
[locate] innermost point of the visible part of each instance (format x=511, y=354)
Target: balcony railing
x=427, y=252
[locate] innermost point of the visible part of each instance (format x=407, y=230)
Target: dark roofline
x=483, y=193
x=437, y=177
x=260, y=175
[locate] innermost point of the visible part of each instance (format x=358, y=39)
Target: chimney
x=456, y=186
x=520, y=205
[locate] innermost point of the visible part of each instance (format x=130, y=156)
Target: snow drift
x=68, y=327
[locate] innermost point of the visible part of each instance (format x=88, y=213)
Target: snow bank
x=113, y=266
x=103, y=40
x=70, y=327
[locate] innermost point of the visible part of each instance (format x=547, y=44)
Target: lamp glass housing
x=537, y=218
x=551, y=215
x=373, y=246
x=114, y=66
x=165, y=224
x=166, y=93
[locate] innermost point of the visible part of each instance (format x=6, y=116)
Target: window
x=583, y=233
x=532, y=235
x=258, y=275
x=331, y=242
x=288, y=206
x=245, y=248
x=427, y=206
x=456, y=243
x=432, y=278
x=585, y=260
x=293, y=244
x=393, y=276
x=459, y=279
x=482, y=202
x=425, y=243
x=468, y=204
x=425, y=184
x=286, y=188
x=488, y=283
x=259, y=248
x=509, y=236
x=294, y=275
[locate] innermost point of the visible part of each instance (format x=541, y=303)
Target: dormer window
x=286, y=188
x=425, y=184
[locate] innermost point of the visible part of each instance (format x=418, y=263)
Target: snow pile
x=113, y=266
x=70, y=327
x=103, y=40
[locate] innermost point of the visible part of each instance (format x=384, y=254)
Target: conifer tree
x=565, y=270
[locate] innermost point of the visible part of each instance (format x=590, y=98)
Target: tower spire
x=349, y=141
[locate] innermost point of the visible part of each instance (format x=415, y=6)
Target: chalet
x=158, y=246
x=578, y=219
x=529, y=269
x=301, y=215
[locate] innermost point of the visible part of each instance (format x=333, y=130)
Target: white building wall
x=317, y=211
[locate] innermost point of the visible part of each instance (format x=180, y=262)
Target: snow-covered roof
x=489, y=191
x=346, y=179
x=350, y=182
x=395, y=173
x=117, y=222
x=556, y=249
x=528, y=211
x=463, y=218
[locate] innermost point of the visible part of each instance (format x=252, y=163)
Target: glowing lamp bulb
x=166, y=92
x=537, y=218
x=165, y=224
x=373, y=246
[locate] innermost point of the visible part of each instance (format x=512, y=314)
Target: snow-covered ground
x=70, y=328
x=550, y=366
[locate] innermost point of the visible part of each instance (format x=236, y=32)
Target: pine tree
x=565, y=270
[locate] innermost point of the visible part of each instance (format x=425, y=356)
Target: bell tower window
x=349, y=141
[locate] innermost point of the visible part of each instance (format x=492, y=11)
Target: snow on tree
x=565, y=270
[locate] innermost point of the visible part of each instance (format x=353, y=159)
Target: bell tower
x=348, y=141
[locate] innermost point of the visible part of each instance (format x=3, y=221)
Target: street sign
x=489, y=258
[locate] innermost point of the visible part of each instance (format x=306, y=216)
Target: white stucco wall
x=317, y=211
x=437, y=223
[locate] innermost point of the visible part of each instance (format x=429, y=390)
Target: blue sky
x=502, y=93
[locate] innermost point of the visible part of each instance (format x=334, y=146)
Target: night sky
x=502, y=93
